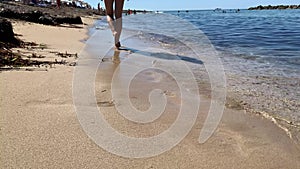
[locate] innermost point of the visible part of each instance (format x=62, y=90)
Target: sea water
x=260, y=51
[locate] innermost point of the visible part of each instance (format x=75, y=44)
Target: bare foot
x=118, y=45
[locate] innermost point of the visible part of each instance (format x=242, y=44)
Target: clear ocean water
x=270, y=36
x=260, y=51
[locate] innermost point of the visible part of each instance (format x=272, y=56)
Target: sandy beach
x=40, y=129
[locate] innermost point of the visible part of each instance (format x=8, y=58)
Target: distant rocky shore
x=269, y=7
x=44, y=15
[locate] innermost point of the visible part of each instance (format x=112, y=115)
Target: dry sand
x=39, y=128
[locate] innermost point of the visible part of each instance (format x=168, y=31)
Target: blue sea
x=270, y=36
x=259, y=49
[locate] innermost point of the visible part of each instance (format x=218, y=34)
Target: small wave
x=275, y=121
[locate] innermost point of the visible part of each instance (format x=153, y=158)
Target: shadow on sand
x=162, y=55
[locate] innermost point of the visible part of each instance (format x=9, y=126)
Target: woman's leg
x=110, y=15
x=119, y=8
x=118, y=24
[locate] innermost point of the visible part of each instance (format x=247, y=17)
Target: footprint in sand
x=242, y=145
x=154, y=76
x=106, y=104
x=169, y=94
x=105, y=59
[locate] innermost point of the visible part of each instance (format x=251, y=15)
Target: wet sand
x=40, y=129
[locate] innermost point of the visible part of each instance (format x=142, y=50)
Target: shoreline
x=267, y=95
x=251, y=85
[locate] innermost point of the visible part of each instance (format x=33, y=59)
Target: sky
x=160, y=5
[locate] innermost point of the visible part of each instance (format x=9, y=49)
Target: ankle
x=118, y=45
